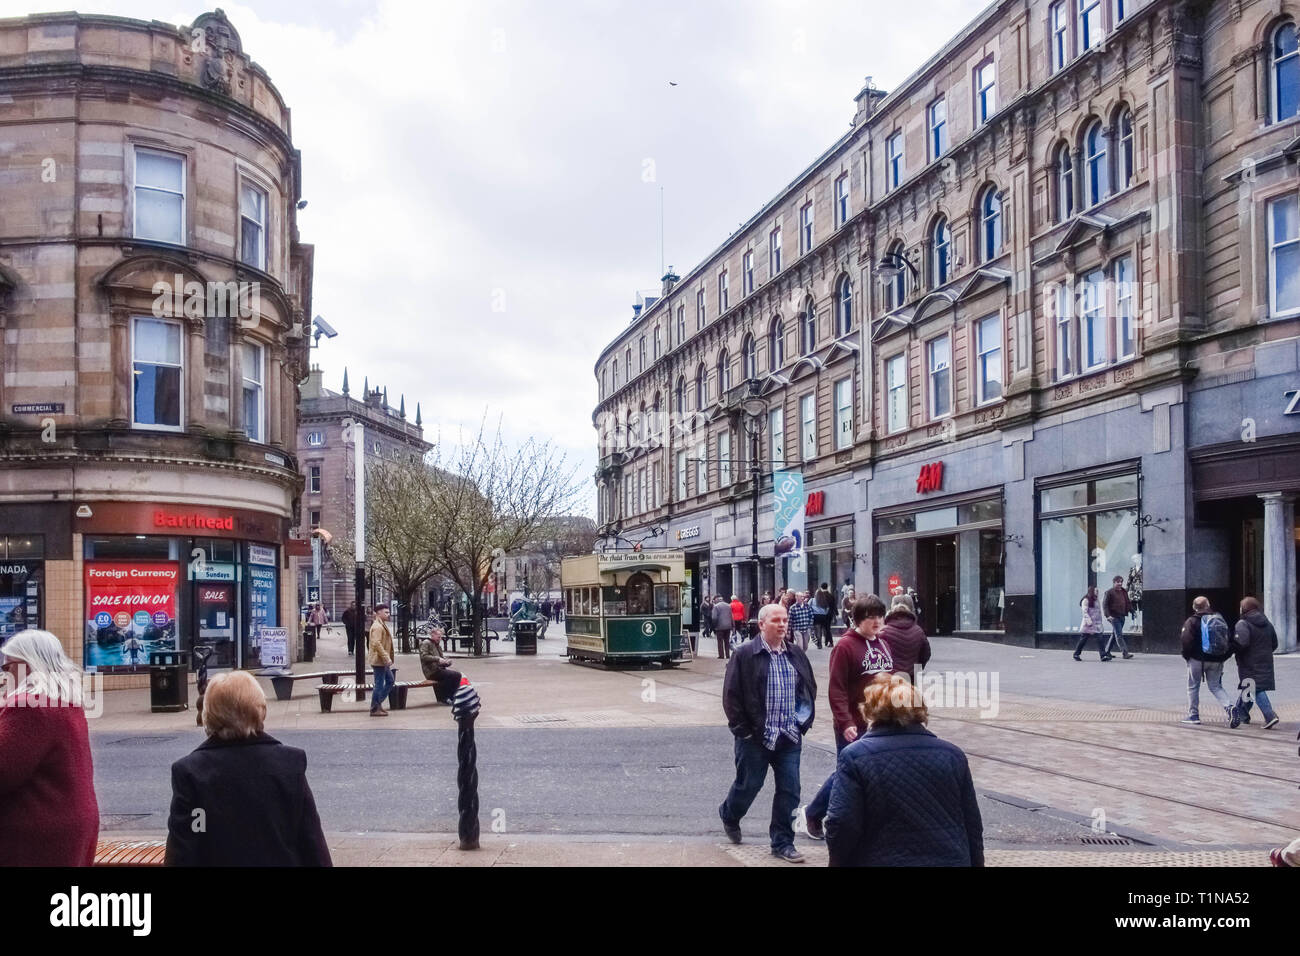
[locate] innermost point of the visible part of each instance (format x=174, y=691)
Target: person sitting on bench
x=437, y=668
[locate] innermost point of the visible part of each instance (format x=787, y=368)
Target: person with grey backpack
x=1206, y=643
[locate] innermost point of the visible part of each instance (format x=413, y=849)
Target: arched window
x=941, y=253
x=808, y=328
x=991, y=224
x=679, y=398
x=724, y=372
x=1124, y=157
x=749, y=356
x=1064, y=183
x=701, y=387
x=776, y=344
x=1095, y=162
x=896, y=288
x=1286, y=72
x=640, y=591
x=843, y=307
x=657, y=421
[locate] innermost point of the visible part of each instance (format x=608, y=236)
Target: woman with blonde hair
x=241, y=798
x=48, y=812
x=902, y=796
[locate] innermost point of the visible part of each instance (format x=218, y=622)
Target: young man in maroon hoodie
x=858, y=657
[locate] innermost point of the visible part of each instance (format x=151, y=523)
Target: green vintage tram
x=624, y=607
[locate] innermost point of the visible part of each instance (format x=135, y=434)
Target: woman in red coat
x=48, y=812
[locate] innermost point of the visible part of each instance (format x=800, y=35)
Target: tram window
x=639, y=593
x=668, y=599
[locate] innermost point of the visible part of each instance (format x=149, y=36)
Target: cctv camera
x=323, y=328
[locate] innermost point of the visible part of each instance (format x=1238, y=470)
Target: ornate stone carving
x=220, y=42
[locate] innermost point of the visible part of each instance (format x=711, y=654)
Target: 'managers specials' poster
x=130, y=611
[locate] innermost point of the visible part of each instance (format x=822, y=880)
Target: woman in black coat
x=1255, y=640
x=902, y=796
x=241, y=798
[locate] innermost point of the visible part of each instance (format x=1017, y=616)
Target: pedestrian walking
x=722, y=625
x=737, y=618
x=437, y=668
x=906, y=640
x=855, y=661
x=1206, y=644
x=846, y=607
x=768, y=696
x=1090, y=625
x=902, y=796
x=1254, y=641
x=380, y=659
x=823, y=607
x=48, y=812
x=250, y=790
x=1116, y=608
x=350, y=626
x=801, y=619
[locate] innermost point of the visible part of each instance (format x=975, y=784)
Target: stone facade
x=1069, y=285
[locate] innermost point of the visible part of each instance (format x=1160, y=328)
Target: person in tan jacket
x=380, y=657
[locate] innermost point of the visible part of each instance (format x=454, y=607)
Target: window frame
x=938, y=131
x=776, y=344
x=774, y=252
x=315, y=479
x=747, y=272
x=775, y=431
x=641, y=352
x=724, y=372
x=724, y=291
x=1058, y=31
x=315, y=439
x=1126, y=289
x=843, y=307
x=808, y=427
x=843, y=413
x=681, y=324
x=1086, y=41
x=893, y=161
x=990, y=249
x=807, y=232
x=136, y=187
x=701, y=310
x=896, y=288
x=890, y=388
x=263, y=226
x=260, y=384
x=1125, y=151
x=808, y=329
x=1064, y=183
x=1276, y=64
x=1273, y=247
x=701, y=387
x=940, y=253
x=749, y=356
x=657, y=343
x=1096, y=164
x=986, y=97
x=180, y=365
x=842, y=198
x=681, y=485
x=1093, y=321
x=1064, y=346
x=702, y=467
x=724, y=459
x=932, y=376
x=982, y=352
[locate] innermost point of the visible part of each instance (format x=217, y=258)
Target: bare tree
x=487, y=495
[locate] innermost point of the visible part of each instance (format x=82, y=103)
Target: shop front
x=692, y=538
x=35, y=541
x=163, y=577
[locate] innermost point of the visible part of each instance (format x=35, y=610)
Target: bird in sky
x=671, y=83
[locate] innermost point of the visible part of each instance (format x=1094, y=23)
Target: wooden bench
x=134, y=853
x=467, y=642
x=283, y=683
x=396, y=697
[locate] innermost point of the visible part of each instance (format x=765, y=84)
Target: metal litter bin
x=169, y=686
x=525, y=637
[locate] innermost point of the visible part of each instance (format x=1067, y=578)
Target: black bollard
x=465, y=708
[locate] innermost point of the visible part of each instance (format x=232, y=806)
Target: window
x=808, y=329
x=615, y=367
x=724, y=460
x=656, y=486
x=940, y=352
x=941, y=253
x=1286, y=72
x=747, y=276
x=681, y=475
x=680, y=396
x=806, y=229
x=808, y=426
x=315, y=518
x=254, y=404
x=842, y=200
x=1089, y=24
x=1284, y=256
x=896, y=387
x=776, y=344
x=724, y=372
x=1062, y=312
x=893, y=161
x=991, y=220
x=723, y=296
x=1121, y=10
x=776, y=431
x=986, y=92
x=252, y=226
x=1095, y=158
x=1060, y=26
x=159, y=196
x=604, y=382
x=627, y=356
x=774, y=251
x=1125, y=156
x=315, y=438
x=681, y=324
x=938, y=121
x=896, y=288
x=843, y=307
x=658, y=344
x=1093, y=315
x=699, y=310
x=749, y=357
x=1125, y=293
x=641, y=351
x=843, y=414
x=701, y=388
x=159, y=372
x=988, y=358
x=313, y=479
x=642, y=491
x=1064, y=183
x=701, y=468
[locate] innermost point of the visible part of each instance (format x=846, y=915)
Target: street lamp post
x=755, y=408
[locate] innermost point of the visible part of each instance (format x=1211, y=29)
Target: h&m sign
x=930, y=478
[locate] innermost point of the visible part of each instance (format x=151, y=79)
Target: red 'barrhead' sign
x=930, y=478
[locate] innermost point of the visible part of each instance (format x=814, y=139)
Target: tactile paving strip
x=759, y=854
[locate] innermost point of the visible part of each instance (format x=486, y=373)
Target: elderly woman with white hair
x=48, y=812
x=241, y=798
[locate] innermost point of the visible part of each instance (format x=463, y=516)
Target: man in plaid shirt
x=801, y=621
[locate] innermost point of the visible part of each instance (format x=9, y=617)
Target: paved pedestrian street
x=1083, y=764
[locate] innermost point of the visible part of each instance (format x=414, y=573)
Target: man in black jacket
x=768, y=697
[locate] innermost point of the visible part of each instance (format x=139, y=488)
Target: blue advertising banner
x=789, y=508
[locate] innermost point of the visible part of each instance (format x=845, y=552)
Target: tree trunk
x=476, y=619
x=404, y=618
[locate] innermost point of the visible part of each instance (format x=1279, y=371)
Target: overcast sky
x=476, y=171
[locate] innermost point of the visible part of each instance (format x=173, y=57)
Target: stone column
x=274, y=415
x=1279, y=567
x=121, y=369
x=195, y=376
x=1076, y=181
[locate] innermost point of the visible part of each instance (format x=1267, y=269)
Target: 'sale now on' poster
x=130, y=611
